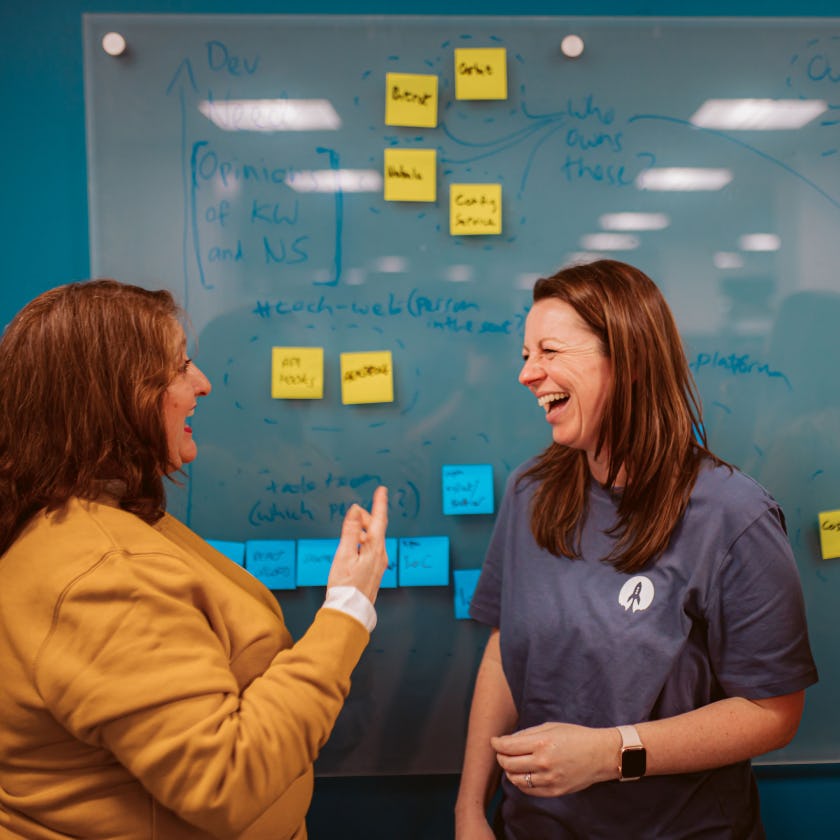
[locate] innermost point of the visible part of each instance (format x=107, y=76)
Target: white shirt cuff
x=348, y=599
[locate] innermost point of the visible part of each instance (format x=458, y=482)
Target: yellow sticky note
x=410, y=175
x=830, y=534
x=475, y=209
x=297, y=373
x=411, y=99
x=367, y=377
x=481, y=73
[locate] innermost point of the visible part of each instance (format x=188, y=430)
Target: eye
x=185, y=366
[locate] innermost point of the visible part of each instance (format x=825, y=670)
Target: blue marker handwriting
x=738, y=365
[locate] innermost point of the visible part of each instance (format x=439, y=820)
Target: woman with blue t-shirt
x=648, y=621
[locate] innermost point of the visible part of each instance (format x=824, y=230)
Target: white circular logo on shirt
x=637, y=593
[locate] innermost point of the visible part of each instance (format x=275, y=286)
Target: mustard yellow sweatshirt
x=150, y=688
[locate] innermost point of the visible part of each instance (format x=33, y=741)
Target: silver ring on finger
x=528, y=780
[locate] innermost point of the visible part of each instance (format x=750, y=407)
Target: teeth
x=546, y=399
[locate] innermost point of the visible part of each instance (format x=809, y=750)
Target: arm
x=492, y=712
x=563, y=758
x=721, y=733
x=138, y=663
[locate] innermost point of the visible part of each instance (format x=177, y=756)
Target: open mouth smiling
x=549, y=401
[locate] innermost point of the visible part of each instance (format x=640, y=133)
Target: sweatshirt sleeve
x=132, y=665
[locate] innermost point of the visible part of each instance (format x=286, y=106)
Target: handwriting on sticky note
x=830, y=534
x=481, y=73
x=411, y=99
x=475, y=209
x=314, y=559
x=367, y=377
x=272, y=562
x=465, y=581
x=424, y=561
x=410, y=175
x=467, y=488
x=297, y=373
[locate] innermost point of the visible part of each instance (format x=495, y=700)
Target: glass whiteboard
x=195, y=186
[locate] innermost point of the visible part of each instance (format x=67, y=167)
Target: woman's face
x=179, y=403
x=566, y=370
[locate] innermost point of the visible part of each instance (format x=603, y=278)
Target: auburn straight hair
x=652, y=424
x=84, y=370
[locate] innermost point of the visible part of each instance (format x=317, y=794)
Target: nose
x=200, y=382
x=531, y=373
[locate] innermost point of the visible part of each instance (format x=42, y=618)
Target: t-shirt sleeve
x=757, y=630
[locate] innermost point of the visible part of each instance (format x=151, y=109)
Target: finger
x=516, y=744
x=522, y=779
x=379, y=513
x=352, y=527
x=517, y=766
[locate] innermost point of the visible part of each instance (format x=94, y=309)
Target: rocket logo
x=636, y=594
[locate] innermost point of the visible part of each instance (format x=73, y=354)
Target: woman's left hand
x=553, y=759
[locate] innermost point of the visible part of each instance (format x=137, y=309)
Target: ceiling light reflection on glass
x=759, y=242
x=634, y=221
x=757, y=114
x=460, y=273
x=391, y=265
x=683, y=179
x=610, y=242
x=727, y=260
x=336, y=180
x=271, y=114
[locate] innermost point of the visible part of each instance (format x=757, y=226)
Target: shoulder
x=518, y=476
x=84, y=537
x=114, y=529
x=726, y=495
x=519, y=486
x=729, y=484
x=86, y=528
x=86, y=552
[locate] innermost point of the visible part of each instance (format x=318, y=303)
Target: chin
x=188, y=458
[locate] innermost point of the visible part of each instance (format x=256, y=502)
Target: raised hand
x=360, y=559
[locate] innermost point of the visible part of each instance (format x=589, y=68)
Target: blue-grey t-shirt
x=719, y=614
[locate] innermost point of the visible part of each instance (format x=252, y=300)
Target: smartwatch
x=632, y=761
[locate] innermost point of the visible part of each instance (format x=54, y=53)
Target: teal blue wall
x=44, y=241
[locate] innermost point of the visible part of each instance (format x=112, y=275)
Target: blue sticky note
x=465, y=582
x=424, y=561
x=389, y=579
x=232, y=550
x=272, y=562
x=467, y=488
x=314, y=559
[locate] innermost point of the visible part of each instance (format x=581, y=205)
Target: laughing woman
x=150, y=688
x=646, y=612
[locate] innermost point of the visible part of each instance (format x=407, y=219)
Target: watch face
x=633, y=763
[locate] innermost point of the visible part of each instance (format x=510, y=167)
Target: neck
x=600, y=469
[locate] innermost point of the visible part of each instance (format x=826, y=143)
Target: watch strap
x=629, y=737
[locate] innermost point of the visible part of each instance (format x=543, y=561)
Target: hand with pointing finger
x=361, y=559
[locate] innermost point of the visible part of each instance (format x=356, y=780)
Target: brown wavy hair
x=652, y=424
x=84, y=370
